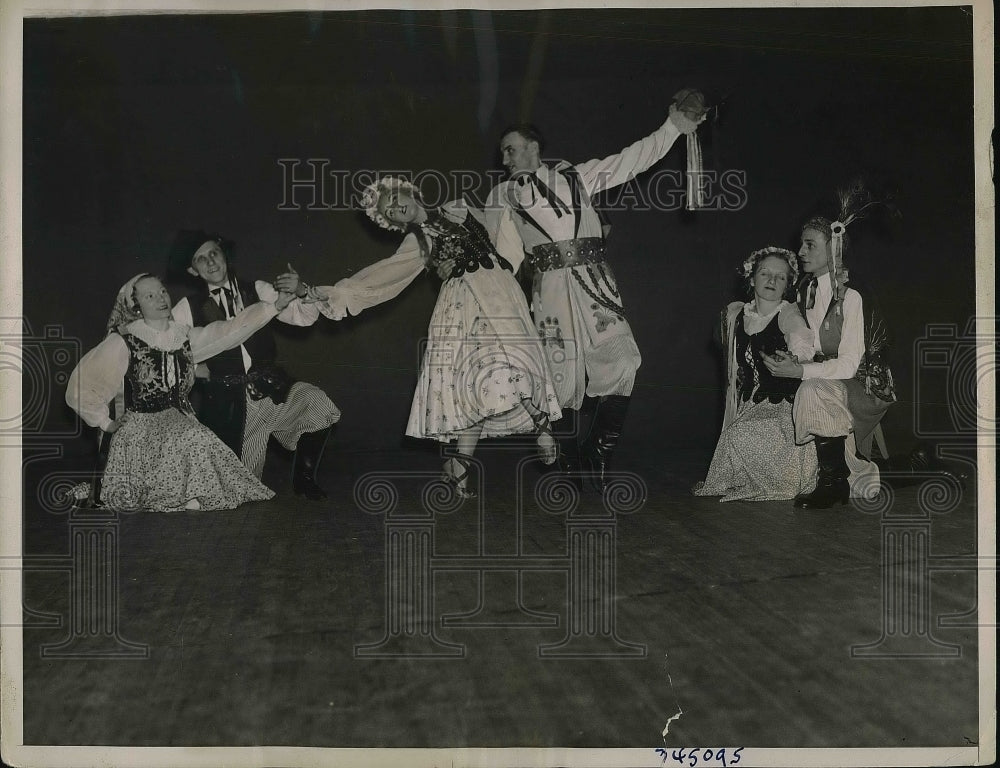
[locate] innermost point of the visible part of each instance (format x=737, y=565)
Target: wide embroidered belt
x=265, y=381
x=567, y=253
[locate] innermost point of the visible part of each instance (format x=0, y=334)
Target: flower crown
x=782, y=253
x=371, y=194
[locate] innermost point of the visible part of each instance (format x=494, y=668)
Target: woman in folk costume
x=847, y=387
x=160, y=457
x=757, y=458
x=483, y=373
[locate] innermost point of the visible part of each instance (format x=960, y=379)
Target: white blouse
x=99, y=376
x=385, y=280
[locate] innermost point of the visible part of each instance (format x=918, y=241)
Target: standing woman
x=483, y=373
x=757, y=458
x=161, y=458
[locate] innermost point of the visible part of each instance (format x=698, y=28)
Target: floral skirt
x=482, y=361
x=757, y=458
x=167, y=461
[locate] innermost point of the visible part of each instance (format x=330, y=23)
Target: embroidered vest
x=467, y=243
x=752, y=376
x=873, y=370
x=156, y=379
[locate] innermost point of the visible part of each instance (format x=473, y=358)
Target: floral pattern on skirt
x=483, y=357
x=757, y=458
x=162, y=461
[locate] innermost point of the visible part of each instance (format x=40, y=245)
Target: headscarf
x=126, y=308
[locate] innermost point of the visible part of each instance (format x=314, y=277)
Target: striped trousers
x=821, y=410
x=306, y=409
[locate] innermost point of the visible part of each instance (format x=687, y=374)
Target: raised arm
x=619, y=168
x=221, y=335
x=375, y=284
x=96, y=380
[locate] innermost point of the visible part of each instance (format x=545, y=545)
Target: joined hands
x=783, y=364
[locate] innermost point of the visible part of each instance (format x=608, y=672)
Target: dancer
x=483, y=373
x=576, y=303
x=847, y=387
x=757, y=458
x=247, y=397
x=160, y=458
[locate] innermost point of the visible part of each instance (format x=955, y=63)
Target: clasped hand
x=445, y=268
x=289, y=282
x=782, y=364
x=289, y=286
x=684, y=121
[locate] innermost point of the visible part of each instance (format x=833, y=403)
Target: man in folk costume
x=247, y=397
x=848, y=387
x=576, y=305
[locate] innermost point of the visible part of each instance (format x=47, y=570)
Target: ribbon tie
x=811, y=287
x=543, y=189
x=230, y=306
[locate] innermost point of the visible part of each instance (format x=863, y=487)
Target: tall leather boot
x=603, y=439
x=308, y=453
x=832, y=486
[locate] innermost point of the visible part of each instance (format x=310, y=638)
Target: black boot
x=832, y=486
x=308, y=453
x=605, y=433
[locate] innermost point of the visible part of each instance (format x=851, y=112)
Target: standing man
x=847, y=387
x=247, y=396
x=576, y=304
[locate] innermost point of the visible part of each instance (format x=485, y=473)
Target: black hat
x=186, y=244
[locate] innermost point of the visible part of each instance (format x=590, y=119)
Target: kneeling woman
x=483, y=372
x=757, y=458
x=161, y=458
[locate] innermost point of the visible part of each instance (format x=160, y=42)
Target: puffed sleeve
x=613, y=170
x=298, y=312
x=798, y=335
x=221, y=335
x=375, y=284
x=97, y=379
x=181, y=312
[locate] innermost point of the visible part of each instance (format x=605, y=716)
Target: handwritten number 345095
x=692, y=757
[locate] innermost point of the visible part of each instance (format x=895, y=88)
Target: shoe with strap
x=456, y=480
x=548, y=446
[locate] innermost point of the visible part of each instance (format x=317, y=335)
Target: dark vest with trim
x=752, y=376
x=223, y=407
x=261, y=346
x=873, y=370
x=157, y=380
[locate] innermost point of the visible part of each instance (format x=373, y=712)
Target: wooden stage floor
x=249, y=624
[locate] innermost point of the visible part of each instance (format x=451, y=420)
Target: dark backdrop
x=137, y=126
